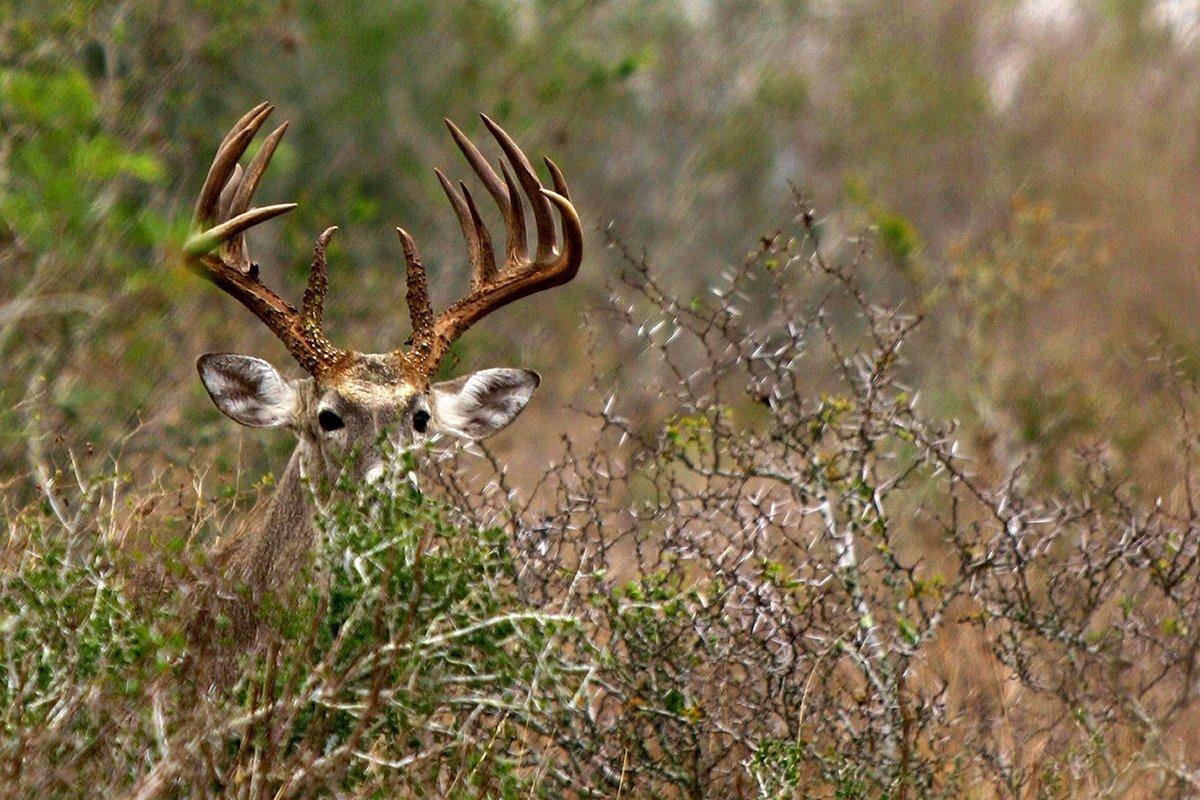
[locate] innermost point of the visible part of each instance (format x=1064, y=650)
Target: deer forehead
x=375, y=380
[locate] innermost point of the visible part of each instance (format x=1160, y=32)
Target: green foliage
x=897, y=236
x=59, y=159
x=405, y=638
x=63, y=618
x=776, y=767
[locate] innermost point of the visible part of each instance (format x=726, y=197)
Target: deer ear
x=477, y=405
x=248, y=390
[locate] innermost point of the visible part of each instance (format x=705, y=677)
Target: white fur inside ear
x=480, y=404
x=248, y=390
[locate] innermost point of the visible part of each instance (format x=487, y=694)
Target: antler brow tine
x=420, y=311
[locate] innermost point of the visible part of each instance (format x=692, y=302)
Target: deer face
x=346, y=421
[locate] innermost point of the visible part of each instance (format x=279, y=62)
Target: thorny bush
x=766, y=576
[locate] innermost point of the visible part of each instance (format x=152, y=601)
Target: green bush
x=405, y=659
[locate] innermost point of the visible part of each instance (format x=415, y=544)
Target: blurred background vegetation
x=1029, y=169
x=1022, y=174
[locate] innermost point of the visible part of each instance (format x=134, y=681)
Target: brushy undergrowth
x=766, y=575
x=406, y=647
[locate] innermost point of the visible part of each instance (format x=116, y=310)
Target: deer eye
x=330, y=421
x=421, y=421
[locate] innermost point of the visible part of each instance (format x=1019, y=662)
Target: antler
x=223, y=215
x=521, y=274
x=218, y=251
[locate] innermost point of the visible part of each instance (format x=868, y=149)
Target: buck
x=353, y=402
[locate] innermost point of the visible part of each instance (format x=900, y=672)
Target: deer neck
x=283, y=544
x=266, y=558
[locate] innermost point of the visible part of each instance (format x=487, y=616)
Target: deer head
x=349, y=399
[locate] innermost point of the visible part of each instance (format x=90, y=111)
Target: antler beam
x=521, y=274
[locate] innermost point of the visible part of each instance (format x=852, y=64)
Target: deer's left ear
x=477, y=405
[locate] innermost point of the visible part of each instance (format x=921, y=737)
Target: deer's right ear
x=248, y=390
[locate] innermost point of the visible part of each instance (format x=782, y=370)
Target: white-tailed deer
x=351, y=400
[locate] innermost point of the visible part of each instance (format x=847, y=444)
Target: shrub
x=766, y=575
x=404, y=661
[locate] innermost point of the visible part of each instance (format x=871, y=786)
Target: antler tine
x=231, y=149
x=560, y=183
x=514, y=221
x=420, y=311
x=243, y=121
x=258, y=167
x=542, y=219
x=485, y=270
x=478, y=242
x=247, y=186
x=217, y=252
x=507, y=200
x=202, y=243
x=312, y=307
x=480, y=164
x=228, y=192
x=566, y=266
